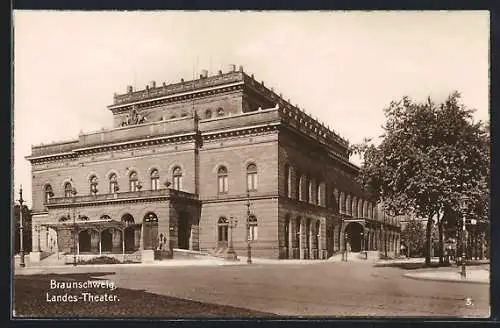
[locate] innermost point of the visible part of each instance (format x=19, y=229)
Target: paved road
x=321, y=289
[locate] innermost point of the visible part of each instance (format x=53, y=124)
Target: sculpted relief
x=133, y=118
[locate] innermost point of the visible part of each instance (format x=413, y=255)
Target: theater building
x=191, y=164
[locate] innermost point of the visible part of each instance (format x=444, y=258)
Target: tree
x=412, y=237
x=430, y=156
x=26, y=228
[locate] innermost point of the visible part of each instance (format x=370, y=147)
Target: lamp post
x=346, y=237
x=249, y=243
x=233, y=222
x=73, y=193
x=463, y=205
x=21, y=228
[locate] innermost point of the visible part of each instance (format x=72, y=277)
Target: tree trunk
x=441, y=248
x=428, y=241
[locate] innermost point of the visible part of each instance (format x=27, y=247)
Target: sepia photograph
x=250, y=164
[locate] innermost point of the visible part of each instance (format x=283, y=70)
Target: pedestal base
x=147, y=256
x=231, y=256
x=35, y=257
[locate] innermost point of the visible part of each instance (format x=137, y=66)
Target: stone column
x=143, y=235
x=312, y=232
x=302, y=239
x=291, y=230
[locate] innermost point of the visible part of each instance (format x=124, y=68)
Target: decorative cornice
x=113, y=147
x=162, y=100
x=145, y=196
x=237, y=132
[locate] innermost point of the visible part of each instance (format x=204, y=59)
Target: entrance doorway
x=354, y=236
x=184, y=231
x=84, y=241
x=129, y=232
x=106, y=241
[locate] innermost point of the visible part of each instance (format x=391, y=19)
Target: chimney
x=232, y=68
x=129, y=89
x=182, y=80
x=241, y=68
x=164, y=84
x=220, y=72
x=204, y=74
x=152, y=84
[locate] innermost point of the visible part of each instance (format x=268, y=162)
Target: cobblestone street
x=319, y=289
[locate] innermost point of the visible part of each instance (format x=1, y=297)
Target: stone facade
x=186, y=164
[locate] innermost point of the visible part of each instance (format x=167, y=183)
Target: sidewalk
x=473, y=275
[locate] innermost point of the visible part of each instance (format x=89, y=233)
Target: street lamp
x=73, y=193
x=21, y=232
x=231, y=254
x=346, y=237
x=463, y=206
x=249, y=243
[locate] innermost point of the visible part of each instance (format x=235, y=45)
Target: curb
x=418, y=277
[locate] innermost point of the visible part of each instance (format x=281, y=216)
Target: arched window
x=68, y=189
x=252, y=227
x=348, y=205
x=155, y=179
x=310, y=191
x=342, y=202
x=113, y=183
x=93, y=185
x=299, y=186
x=177, y=178
x=222, y=230
x=288, y=181
x=208, y=113
x=184, y=114
x=355, y=207
x=360, y=208
x=222, y=180
x=48, y=192
x=251, y=177
x=220, y=111
x=365, y=210
x=336, y=200
x=320, y=194
x=132, y=178
x=173, y=116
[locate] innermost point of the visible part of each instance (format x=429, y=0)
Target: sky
x=342, y=68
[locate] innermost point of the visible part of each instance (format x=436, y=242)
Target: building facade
x=191, y=164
